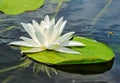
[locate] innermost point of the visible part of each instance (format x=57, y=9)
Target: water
x=80, y=15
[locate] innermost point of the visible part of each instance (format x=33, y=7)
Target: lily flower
x=47, y=36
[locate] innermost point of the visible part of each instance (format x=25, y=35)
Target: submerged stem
x=58, y=7
x=101, y=12
x=9, y=28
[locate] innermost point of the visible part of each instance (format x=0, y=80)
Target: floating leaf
x=1, y=1
x=93, y=52
x=86, y=69
x=14, y=7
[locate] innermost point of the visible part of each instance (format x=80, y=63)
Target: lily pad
x=13, y=7
x=93, y=52
x=95, y=68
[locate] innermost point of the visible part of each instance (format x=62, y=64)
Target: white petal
x=58, y=30
x=65, y=37
x=53, y=20
x=59, y=22
x=72, y=43
x=41, y=29
x=21, y=43
x=47, y=19
x=41, y=24
x=61, y=28
x=41, y=38
x=29, y=29
x=44, y=26
x=49, y=32
x=75, y=43
x=36, y=24
x=33, y=50
x=30, y=41
x=66, y=50
x=30, y=25
x=52, y=46
x=58, y=25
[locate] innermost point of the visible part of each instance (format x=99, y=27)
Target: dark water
x=80, y=15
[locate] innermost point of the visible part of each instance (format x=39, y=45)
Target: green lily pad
x=86, y=69
x=13, y=7
x=93, y=52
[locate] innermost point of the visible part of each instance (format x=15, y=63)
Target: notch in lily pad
x=47, y=45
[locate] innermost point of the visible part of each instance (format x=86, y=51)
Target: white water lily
x=47, y=36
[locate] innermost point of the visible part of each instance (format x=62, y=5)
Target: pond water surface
x=80, y=15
